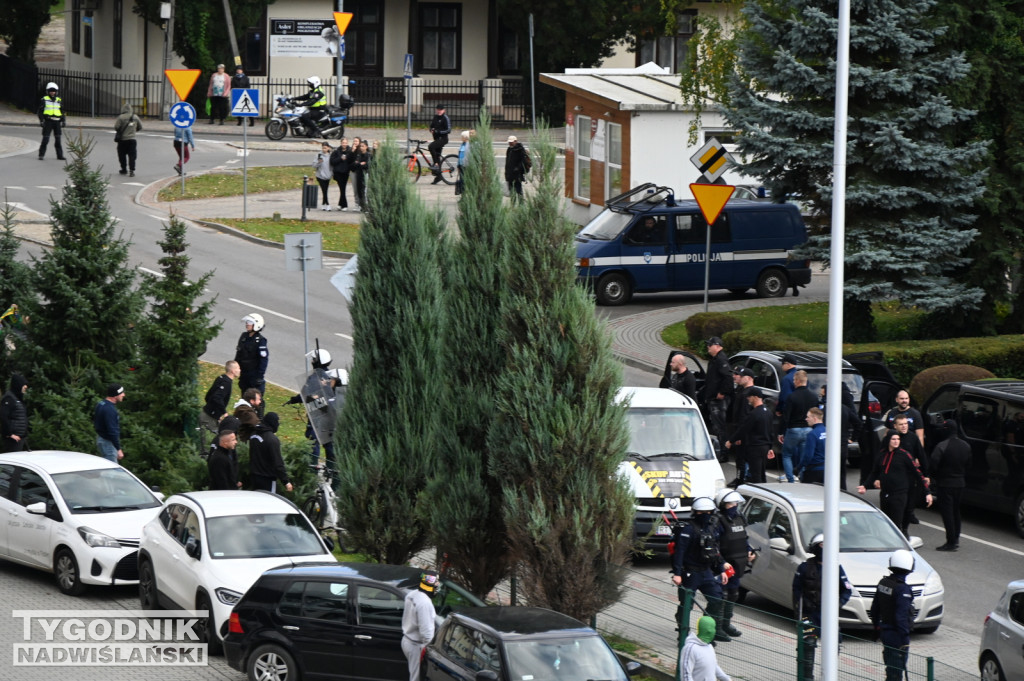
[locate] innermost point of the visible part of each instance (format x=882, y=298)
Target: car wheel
x=990, y=668
x=613, y=289
x=275, y=130
x=772, y=283
x=206, y=629
x=65, y=569
x=271, y=663
x=148, y=598
x=1018, y=514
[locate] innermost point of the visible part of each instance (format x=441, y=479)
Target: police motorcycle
x=287, y=116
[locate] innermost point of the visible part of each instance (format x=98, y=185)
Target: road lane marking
x=149, y=271
x=980, y=541
x=13, y=186
x=344, y=336
x=263, y=309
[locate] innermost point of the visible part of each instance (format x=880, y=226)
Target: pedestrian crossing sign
x=245, y=102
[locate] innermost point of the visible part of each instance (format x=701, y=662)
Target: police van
x=669, y=463
x=647, y=241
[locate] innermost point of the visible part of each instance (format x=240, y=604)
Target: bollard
x=309, y=195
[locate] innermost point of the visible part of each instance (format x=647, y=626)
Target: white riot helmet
x=314, y=81
x=255, y=319
x=320, y=358
x=727, y=496
x=703, y=505
x=902, y=560
x=51, y=86
x=817, y=545
x=339, y=374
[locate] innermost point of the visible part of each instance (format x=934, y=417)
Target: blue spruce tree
x=910, y=192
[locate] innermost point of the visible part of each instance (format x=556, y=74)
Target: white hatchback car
x=206, y=549
x=76, y=515
x=1002, y=639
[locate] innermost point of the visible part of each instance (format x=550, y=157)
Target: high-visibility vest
x=320, y=101
x=51, y=107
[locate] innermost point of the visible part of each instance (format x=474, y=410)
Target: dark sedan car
x=515, y=644
x=338, y=621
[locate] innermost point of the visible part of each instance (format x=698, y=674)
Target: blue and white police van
x=646, y=241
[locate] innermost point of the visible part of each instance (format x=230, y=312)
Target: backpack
x=527, y=162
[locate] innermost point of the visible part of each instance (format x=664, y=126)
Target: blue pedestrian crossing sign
x=182, y=115
x=407, y=66
x=245, y=102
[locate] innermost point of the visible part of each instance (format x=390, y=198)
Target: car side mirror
x=780, y=544
x=38, y=508
x=632, y=668
x=915, y=542
x=486, y=675
x=193, y=548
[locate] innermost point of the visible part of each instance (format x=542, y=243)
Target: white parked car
x=1002, y=638
x=782, y=518
x=76, y=515
x=206, y=549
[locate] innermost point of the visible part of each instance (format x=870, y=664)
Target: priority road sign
x=712, y=159
x=182, y=115
x=245, y=102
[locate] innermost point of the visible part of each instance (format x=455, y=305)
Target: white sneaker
x=344, y=209
x=782, y=478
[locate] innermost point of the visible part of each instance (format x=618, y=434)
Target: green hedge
x=1002, y=355
x=929, y=380
x=760, y=340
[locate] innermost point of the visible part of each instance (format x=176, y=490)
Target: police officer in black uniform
x=718, y=388
x=892, y=612
x=51, y=118
x=754, y=434
x=697, y=564
x=807, y=599
x=440, y=127
x=735, y=550
x=252, y=355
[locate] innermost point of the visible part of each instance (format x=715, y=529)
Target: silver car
x=782, y=518
x=1002, y=639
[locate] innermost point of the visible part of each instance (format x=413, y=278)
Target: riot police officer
x=892, y=612
x=735, y=550
x=807, y=599
x=697, y=564
x=252, y=354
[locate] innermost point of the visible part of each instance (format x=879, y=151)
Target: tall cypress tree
x=558, y=438
x=172, y=336
x=389, y=432
x=81, y=331
x=910, y=192
x=466, y=513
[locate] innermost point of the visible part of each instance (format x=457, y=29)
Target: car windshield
x=656, y=432
x=569, y=659
x=606, y=226
x=816, y=379
x=105, y=490
x=859, y=531
x=262, y=535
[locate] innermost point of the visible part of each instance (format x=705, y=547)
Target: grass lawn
x=229, y=183
x=337, y=236
x=809, y=322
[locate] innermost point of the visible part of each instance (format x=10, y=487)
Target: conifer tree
x=172, y=337
x=558, y=438
x=15, y=288
x=466, y=501
x=909, y=191
x=81, y=329
x=389, y=431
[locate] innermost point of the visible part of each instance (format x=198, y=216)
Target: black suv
x=329, y=621
x=990, y=417
x=512, y=643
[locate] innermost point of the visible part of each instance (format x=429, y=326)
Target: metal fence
x=379, y=101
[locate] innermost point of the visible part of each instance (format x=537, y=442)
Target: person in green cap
x=697, y=661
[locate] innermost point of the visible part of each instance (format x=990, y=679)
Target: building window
x=118, y=29
x=581, y=181
x=76, y=26
x=508, y=50
x=670, y=51
x=613, y=162
x=441, y=38
x=87, y=35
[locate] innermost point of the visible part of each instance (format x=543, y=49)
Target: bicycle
x=321, y=506
x=449, y=170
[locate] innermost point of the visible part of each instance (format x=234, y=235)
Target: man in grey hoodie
x=125, y=127
x=697, y=661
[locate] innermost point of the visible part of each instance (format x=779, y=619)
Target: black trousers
x=324, y=186
x=894, y=505
x=342, y=180
x=436, y=147
x=218, y=108
x=949, y=507
x=127, y=151
x=51, y=125
x=757, y=457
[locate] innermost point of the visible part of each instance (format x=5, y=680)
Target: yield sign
x=712, y=199
x=182, y=80
x=342, y=19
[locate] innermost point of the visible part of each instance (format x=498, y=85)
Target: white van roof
x=654, y=398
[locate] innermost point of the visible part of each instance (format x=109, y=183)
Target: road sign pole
x=181, y=165
x=707, y=266
x=245, y=171
x=407, y=72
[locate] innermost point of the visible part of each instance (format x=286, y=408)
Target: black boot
x=727, y=610
x=715, y=607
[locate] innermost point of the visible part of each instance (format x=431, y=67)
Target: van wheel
x=772, y=283
x=613, y=289
x=1018, y=514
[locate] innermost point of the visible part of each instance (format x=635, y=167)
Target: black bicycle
x=421, y=164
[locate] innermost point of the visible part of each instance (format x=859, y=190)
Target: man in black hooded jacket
x=265, y=462
x=13, y=416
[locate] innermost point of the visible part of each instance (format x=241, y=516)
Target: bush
x=1002, y=355
x=929, y=380
x=704, y=325
x=754, y=340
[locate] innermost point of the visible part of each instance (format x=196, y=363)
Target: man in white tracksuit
x=697, y=661
x=418, y=622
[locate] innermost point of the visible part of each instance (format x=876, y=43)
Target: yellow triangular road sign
x=182, y=80
x=711, y=198
x=342, y=19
